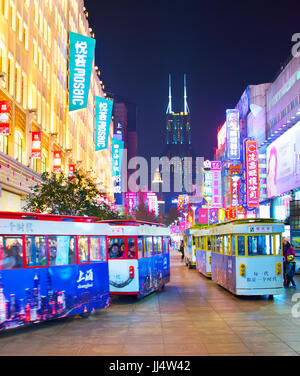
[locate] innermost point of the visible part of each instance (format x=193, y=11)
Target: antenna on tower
x=185, y=105
x=169, y=109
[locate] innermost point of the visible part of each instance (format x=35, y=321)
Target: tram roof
x=46, y=217
x=130, y=222
x=243, y=226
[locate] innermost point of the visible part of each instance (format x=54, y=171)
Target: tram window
x=83, y=255
x=261, y=245
x=148, y=247
x=131, y=248
x=241, y=245
x=218, y=244
x=233, y=245
x=166, y=245
x=278, y=244
x=36, y=251
x=159, y=243
x=11, y=252
x=155, y=245
x=226, y=245
x=208, y=243
x=116, y=248
x=140, y=246
x=61, y=250
x=194, y=240
x=98, y=248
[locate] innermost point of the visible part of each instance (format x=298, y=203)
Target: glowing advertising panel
x=103, y=113
x=216, y=167
x=283, y=158
x=222, y=136
x=81, y=55
x=252, y=173
x=233, y=134
x=36, y=145
x=4, y=118
x=235, y=190
x=117, y=155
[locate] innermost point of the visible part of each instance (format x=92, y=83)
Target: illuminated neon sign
x=252, y=173
x=36, y=145
x=81, y=55
x=103, y=112
x=233, y=134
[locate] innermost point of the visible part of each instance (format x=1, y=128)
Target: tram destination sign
x=266, y=229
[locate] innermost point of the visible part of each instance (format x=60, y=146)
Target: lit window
x=18, y=146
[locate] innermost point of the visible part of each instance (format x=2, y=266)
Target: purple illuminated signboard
x=233, y=135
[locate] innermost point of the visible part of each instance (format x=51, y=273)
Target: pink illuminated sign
x=252, y=173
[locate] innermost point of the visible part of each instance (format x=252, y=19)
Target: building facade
x=34, y=83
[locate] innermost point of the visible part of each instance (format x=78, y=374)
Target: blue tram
x=138, y=257
x=51, y=267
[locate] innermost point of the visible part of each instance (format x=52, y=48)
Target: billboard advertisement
x=103, y=113
x=117, y=156
x=283, y=158
x=252, y=173
x=233, y=134
x=81, y=56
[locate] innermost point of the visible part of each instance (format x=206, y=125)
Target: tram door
x=123, y=264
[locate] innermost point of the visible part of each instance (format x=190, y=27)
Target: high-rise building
x=178, y=143
x=34, y=85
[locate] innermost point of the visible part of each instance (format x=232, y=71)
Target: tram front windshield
x=261, y=245
x=116, y=248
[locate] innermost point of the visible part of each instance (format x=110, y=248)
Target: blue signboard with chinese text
x=81, y=55
x=103, y=113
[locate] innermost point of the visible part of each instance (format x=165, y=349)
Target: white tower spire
x=185, y=105
x=169, y=109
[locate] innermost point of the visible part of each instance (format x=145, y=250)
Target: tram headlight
x=278, y=268
x=242, y=270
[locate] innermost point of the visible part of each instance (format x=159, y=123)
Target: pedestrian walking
x=288, y=250
x=181, y=249
x=290, y=271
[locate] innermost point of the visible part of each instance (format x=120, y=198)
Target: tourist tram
x=189, y=247
x=138, y=257
x=51, y=267
x=244, y=256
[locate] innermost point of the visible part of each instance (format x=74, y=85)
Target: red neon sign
x=252, y=173
x=4, y=117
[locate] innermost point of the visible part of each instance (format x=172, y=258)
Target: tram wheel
x=85, y=315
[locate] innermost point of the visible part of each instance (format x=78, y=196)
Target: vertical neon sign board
x=117, y=155
x=4, y=118
x=81, y=55
x=103, y=112
x=252, y=173
x=233, y=134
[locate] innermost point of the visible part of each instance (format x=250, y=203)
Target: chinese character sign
x=233, y=134
x=36, y=145
x=216, y=172
x=252, y=173
x=103, y=112
x=4, y=118
x=117, y=155
x=81, y=55
x=235, y=190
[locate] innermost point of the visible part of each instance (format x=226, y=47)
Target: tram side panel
x=154, y=273
x=223, y=271
x=203, y=262
x=51, y=293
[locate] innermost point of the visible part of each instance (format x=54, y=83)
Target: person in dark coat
x=181, y=249
x=288, y=250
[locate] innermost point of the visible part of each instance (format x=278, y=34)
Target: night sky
x=222, y=46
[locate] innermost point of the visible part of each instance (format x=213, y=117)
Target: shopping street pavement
x=191, y=316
